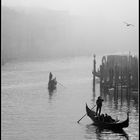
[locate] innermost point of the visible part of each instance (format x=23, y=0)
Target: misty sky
x=103, y=21
x=117, y=9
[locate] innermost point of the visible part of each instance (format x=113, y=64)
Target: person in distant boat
x=55, y=80
x=50, y=76
x=99, y=105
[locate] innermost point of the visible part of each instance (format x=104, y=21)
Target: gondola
x=106, y=125
x=52, y=84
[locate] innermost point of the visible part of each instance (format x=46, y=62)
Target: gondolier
x=99, y=105
x=50, y=76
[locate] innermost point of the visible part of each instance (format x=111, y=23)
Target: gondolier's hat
x=99, y=97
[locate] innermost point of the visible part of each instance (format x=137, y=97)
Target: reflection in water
x=29, y=111
x=51, y=93
x=119, y=99
x=94, y=95
x=104, y=134
x=115, y=103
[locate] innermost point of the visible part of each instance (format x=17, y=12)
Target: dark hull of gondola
x=52, y=85
x=113, y=126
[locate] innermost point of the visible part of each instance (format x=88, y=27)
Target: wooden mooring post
x=94, y=71
x=118, y=72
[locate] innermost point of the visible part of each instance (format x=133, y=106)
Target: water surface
x=30, y=112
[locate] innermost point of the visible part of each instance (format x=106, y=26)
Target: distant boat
x=107, y=125
x=52, y=84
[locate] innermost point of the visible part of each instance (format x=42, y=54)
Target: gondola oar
x=84, y=116
x=61, y=84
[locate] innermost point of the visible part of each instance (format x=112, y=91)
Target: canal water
x=30, y=112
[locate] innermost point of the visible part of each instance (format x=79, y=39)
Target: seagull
x=128, y=24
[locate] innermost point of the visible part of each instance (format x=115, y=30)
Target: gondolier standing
x=99, y=105
x=50, y=76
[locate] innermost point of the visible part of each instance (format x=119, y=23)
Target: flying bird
x=128, y=24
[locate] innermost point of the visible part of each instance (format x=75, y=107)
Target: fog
x=50, y=29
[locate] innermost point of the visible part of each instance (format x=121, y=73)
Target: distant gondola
x=52, y=84
x=107, y=125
